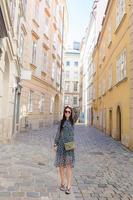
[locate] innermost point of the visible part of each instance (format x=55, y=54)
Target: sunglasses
x=67, y=111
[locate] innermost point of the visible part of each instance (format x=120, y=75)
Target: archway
x=119, y=123
x=91, y=116
x=56, y=108
x=110, y=122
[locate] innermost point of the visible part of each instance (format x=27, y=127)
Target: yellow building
x=111, y=81
x=42, y=39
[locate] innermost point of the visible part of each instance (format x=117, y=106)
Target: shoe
x=62, y=187
x=68, y=190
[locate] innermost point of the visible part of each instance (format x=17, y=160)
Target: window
x=24, y=2
x=67, y=86
x=30, y=101
x=37, y=10
x=67, y=74
x=58, y=76
x=21, y=46
x=51, y=105
x=100, y=89
x=68, y=63
x=75, y=86
x=109, y=34
x=46, y=26
x=94, y=93
x=75, y=100
x=110, y=77
x=55, y=40
x=76, y=75
x=53, y=71
x=76, y=63
x=34, y=50
x=66, y=100
x=103, y=87
x=121, y=66
x=44, y=63
x=120, y=11
x=48, y=1
x=12, y=9
x=41, y=103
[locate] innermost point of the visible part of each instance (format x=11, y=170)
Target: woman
x=65, y=158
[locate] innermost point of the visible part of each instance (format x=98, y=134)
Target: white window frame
x=75, y=97
x=51, y=105
x=121, y=70
x=21, y=46
x=110, y=76
x=42, y=103
x=30, y=101
x=120, y=11
x=34, y=52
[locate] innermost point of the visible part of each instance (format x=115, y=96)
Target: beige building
x=41, y=43
x=9, y=68
x=72, y=76
x=32, y=39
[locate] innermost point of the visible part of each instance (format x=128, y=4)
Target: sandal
x=68, y=190
x=62, y=187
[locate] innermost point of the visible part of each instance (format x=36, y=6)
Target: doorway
x=119, y=123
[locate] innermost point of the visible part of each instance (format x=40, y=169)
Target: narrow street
x=103, y=170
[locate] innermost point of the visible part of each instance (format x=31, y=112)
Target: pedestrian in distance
x=64, y=147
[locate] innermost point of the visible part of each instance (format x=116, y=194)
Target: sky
x=79, y=12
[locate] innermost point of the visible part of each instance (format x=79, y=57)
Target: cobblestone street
x=103, y=170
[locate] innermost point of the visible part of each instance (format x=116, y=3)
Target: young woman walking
x=64, y=147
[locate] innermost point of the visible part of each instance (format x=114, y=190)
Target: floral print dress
x=63, y=157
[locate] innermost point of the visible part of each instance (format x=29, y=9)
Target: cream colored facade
x=9, y=68
x=42, y=36
x=71, y=78
x=112, y=81
x=32, y=40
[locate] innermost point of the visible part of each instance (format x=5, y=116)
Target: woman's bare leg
x=69, y=175
x=62, y=177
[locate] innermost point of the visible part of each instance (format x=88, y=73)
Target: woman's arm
x=57, y=136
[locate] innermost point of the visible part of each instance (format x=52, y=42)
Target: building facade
x=112, y=81
x=72, y=76
x=42, y=40
x=131, y=73
x=9, y=68
x=87, y=66
x=32, y=41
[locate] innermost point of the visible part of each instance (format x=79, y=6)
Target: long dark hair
x=64, y=117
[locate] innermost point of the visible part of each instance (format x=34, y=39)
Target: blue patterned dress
x=63, y=157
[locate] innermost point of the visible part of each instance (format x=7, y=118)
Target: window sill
x=33, y=66
x=35, y=22
x=109, y=45
x=121, y=81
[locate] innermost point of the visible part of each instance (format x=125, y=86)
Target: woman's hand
x=55, y=147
